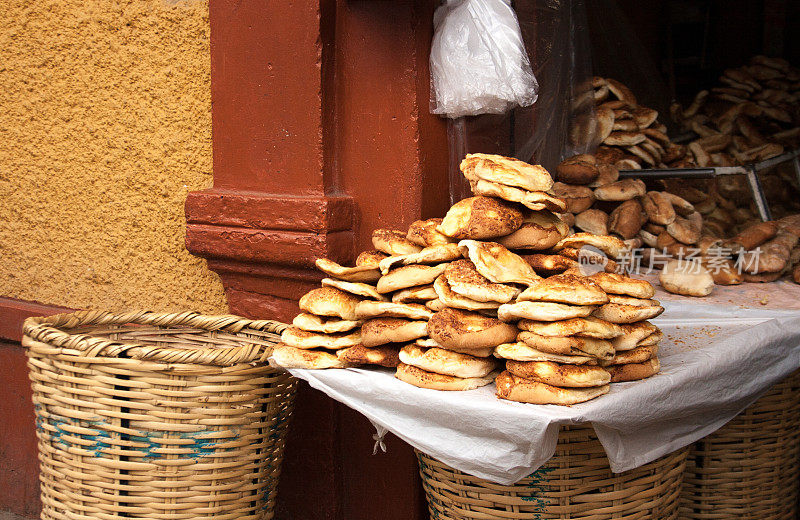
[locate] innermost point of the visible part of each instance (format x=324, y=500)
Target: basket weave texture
x=748, y=469
x=576, y=483
x=162, y=416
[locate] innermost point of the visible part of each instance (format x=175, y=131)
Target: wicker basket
x=748, y=469
x=163, y=416
x=576, y=484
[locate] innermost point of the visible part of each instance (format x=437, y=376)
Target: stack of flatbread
x=437, y=301
x=629, y=306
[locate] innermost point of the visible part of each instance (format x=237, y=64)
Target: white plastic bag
x=478, y=60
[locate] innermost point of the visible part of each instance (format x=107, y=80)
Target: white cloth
x=715, y=361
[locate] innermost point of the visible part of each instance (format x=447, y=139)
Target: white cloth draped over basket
x=716, y=360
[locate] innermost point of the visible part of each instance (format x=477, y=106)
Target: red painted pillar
x=321, y=133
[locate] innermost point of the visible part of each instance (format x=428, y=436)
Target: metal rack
x=750, y=170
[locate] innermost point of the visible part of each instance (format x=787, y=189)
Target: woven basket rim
x=48, y=330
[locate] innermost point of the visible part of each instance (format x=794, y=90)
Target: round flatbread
x=540, y=230
x=634, y=371
x=371, y=258
x=371, y=309
x=464, y=279
x=621, y=313
x=360, y=273
x=615, y=283
x=634, y=333
x=498, y=264
x=590, y=327
x=423, y=233
x=556, y=374
x=329, y=301
x=430, y=255
x=569, y=346
x=393, y=242
x=446, y=362
x=450, y=298
x=565, y=288
x=515, y=388
x=506, y=170
x=534, y=200
x=299, y=338
x=543, y=311
x=547, y=265
x=612, y=246
x=457, y=329
x=284, y=356
x=630, y=300
x=380, y=331
x=480, y=218
x=636, y=355
x=424, y=379
x=519, y=351
x=420, y=293
x=314, y=323
x=357, y=288
x=385, y=355
x=409, y=276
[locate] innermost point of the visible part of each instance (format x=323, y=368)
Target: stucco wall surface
x=105, y=125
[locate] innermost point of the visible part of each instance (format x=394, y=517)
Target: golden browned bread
x=314, y=323
x=589, y=327
x=515, y=388
x=540, y=230
x=634, y=371
x=506, y=170
x=393, y=242
x=579, y=169
x=464, y=279
x=534, y=200
x=447, y=362
x=385, y=355
x=357, y=288
x=457, y=329
x=556, y=374
x=497, y=263
x=409, y=276
x=481, y=218
x=370, y=258
x=615, y=283
x=329, y=301
x=423, y=233
x=565, y=288
x=424, y=379
x=435, y=254
x=520, y=351
x=372, y=309
x=299, y=338
x=361, y=273
x=284, y=356
x=568, y=345
x=379, y=331
x=622, y=313
x=542, y=311
x=635, y=355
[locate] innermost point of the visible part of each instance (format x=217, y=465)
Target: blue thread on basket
x=537, y=489
x=100, y=439
x=97, y=440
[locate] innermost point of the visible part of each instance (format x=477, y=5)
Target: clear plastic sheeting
x=561, y=122
x=478, y=60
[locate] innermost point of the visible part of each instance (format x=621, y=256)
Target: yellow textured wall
x=105, y=125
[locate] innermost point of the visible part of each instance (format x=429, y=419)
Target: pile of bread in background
x=497, y=290
x=698, y=233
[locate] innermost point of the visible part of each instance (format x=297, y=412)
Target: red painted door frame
x=321, y=133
